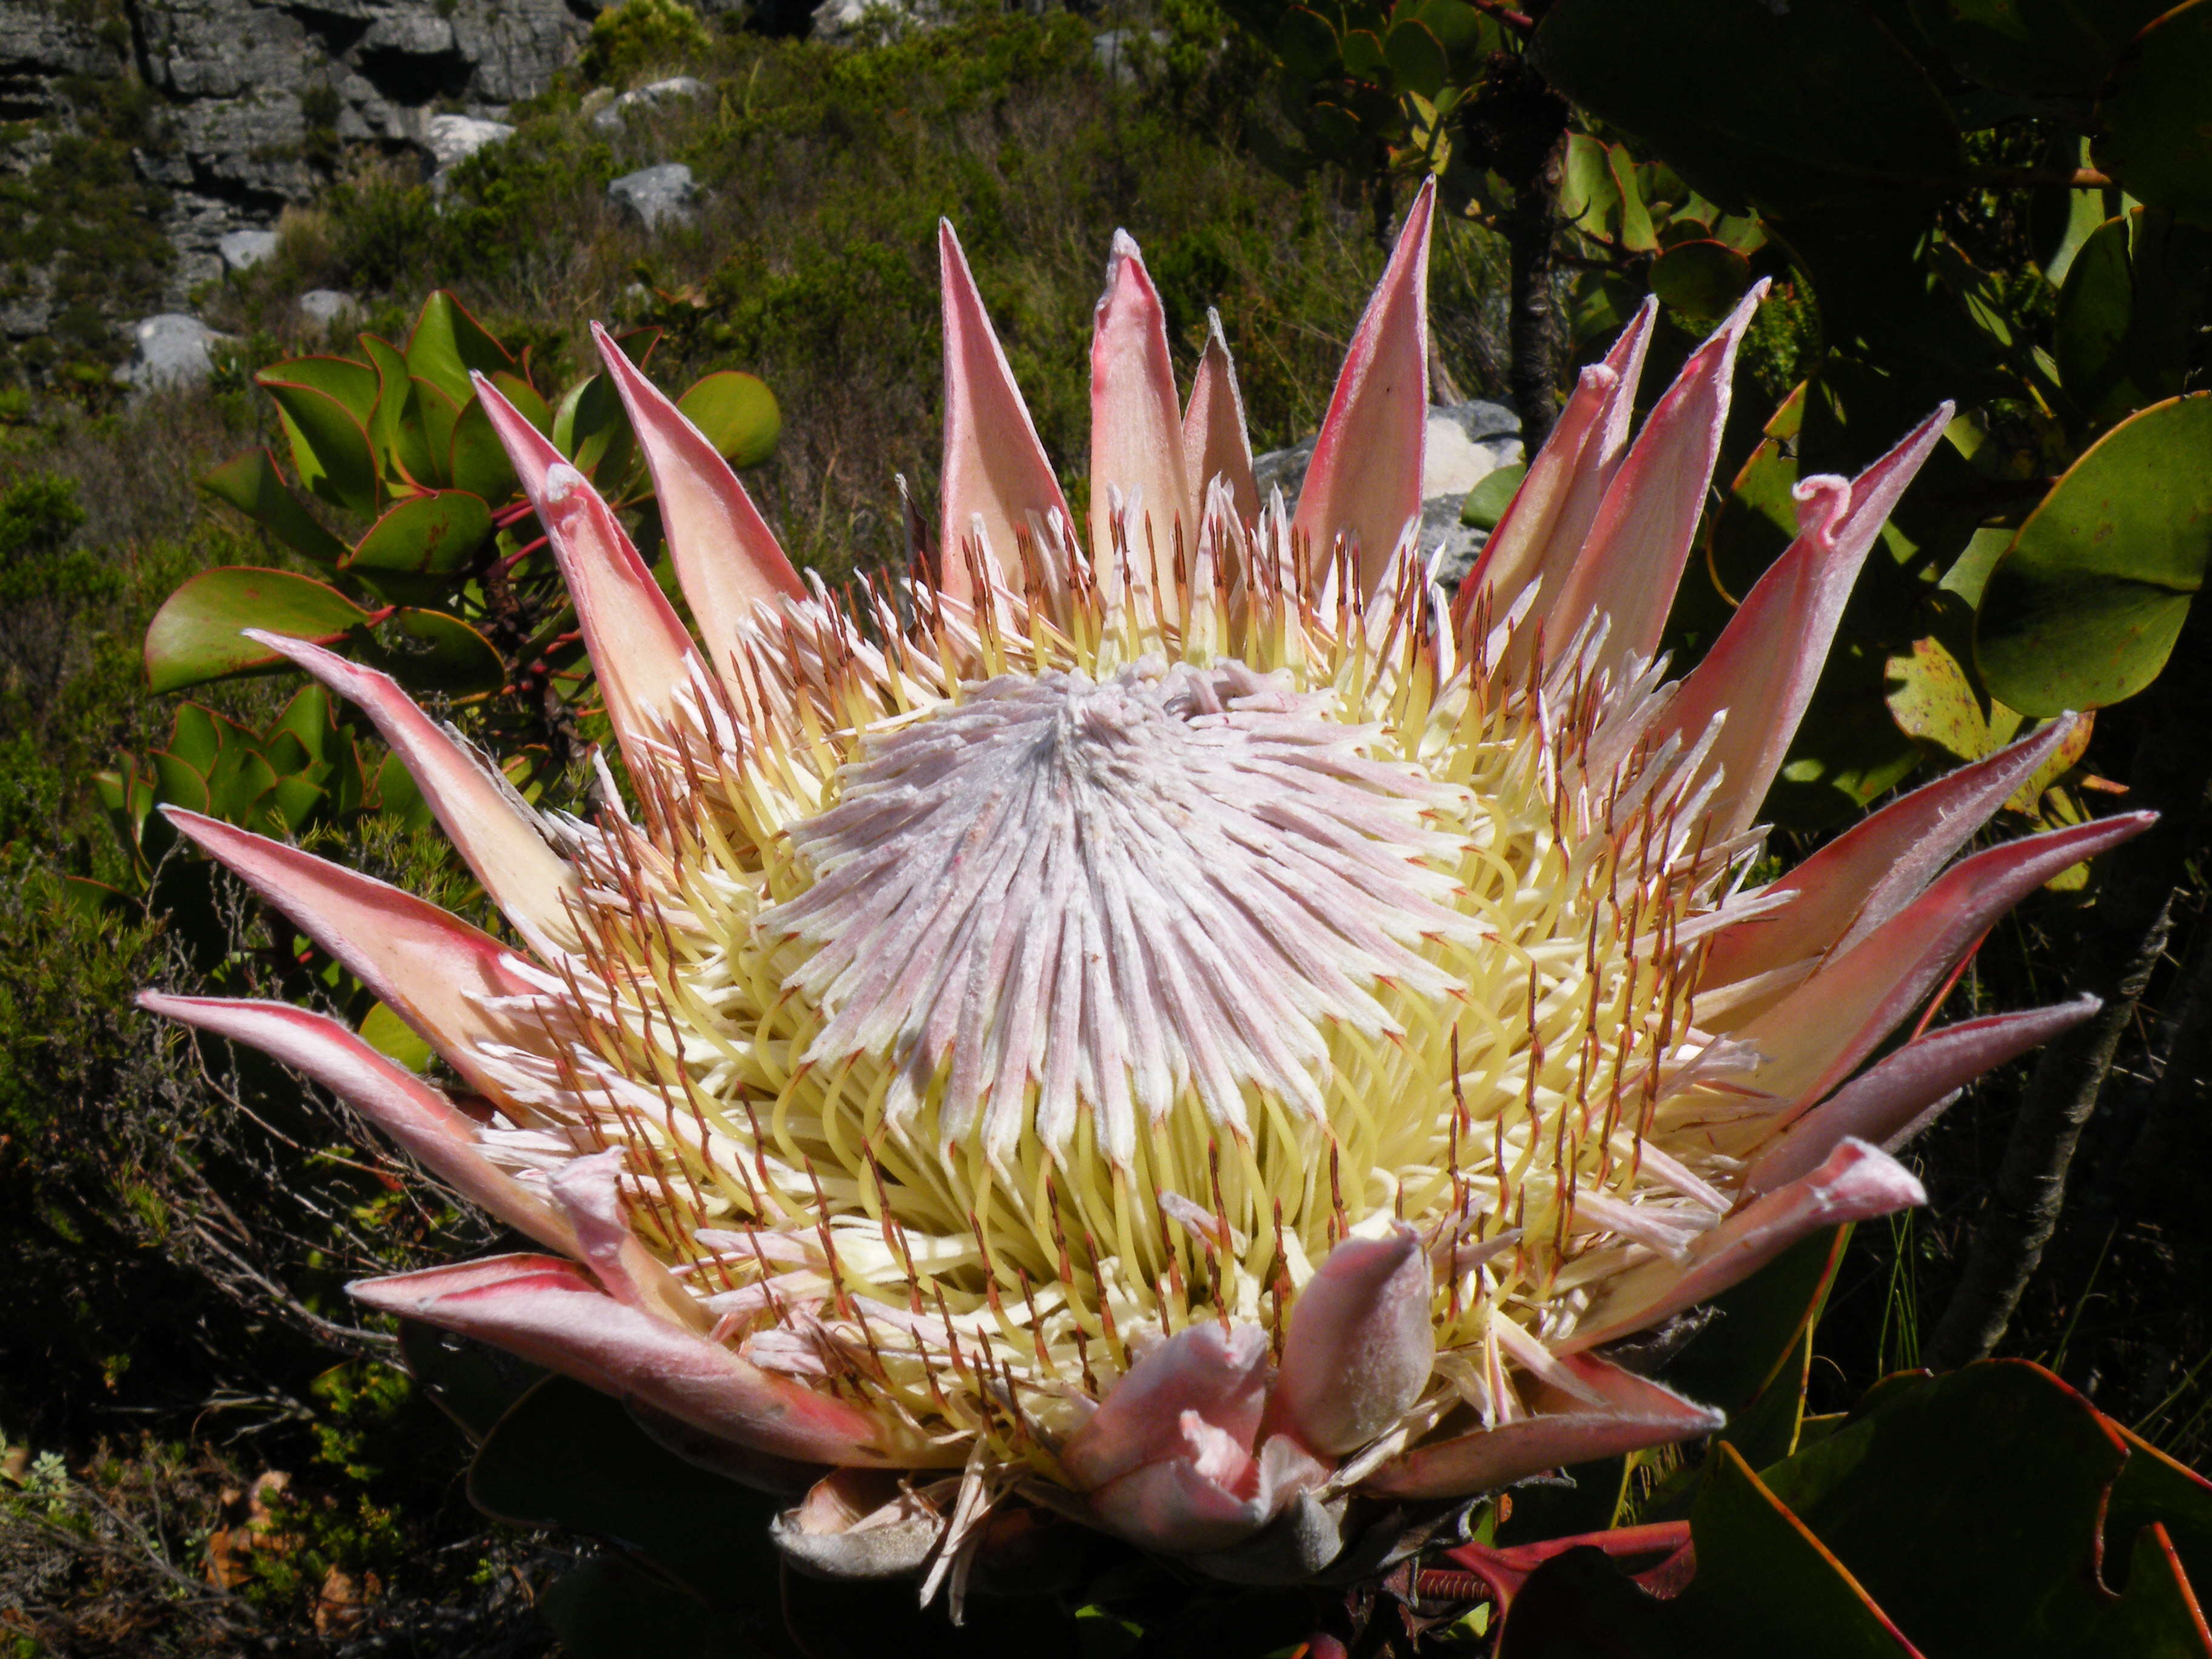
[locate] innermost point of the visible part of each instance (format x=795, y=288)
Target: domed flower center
x=1061, y=894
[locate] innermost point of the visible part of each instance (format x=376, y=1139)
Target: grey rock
x=452, y=138
x=657, y=196
x=327, y=305
x=242, y=250
x=838, y=20
x=172, y=350
x=675, y=90
x=1465, y=442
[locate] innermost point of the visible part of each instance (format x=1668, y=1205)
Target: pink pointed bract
x=1182, y=1025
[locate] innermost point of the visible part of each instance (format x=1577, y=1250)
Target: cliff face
x=210, y=115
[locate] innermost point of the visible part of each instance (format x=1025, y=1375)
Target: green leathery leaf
x=1636, y=234
x=1459, y=28
x=735, y=412
x=194, y=737
x=1933, y=701
x=296, y=801
x=598, y=428
x=1752, y=1336
x=1764, y=1585
x=195, y=637
x=330, y=445
x=307, y=717
x=1363, y=52
x=1306, y=43
x=2086, y=604
x=1796, y=108
x=239, y=789
x=2156, y=114
x=611, y=1608
x=2154, y=1488
x=1416, y=58
x=286, y=755
x=472, y=1383
x=2043, y=47
x=352, y=384
x=565, y=1454
x=395, y=1039
x=448, y=342
x=399, y=796
x=431, y=651
x=1588, y=198
x=1848, y=750
x=385, y=421
x=1701, y=280
x=252, y=483
x=436, y=532
x=479, y=463
x=177, y=783
x=2129, y=309
x=429, y=427
x=2022, y=1531
x=1486, y=502
x=523, y=396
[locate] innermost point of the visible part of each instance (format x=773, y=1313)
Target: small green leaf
x=738, y=414
x=2157, y=114
x=1486, y=502
x=2084, y=608
x=394, y=1038
x=250, y=482
x=448, y=342
x=194, y=637
x=1362, y=53
x=437, y=532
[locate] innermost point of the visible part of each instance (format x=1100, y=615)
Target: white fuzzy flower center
x=1061, y=891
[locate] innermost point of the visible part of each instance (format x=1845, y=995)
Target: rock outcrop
x=226, y=108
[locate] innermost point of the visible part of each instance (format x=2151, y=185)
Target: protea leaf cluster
x=1166, y=1019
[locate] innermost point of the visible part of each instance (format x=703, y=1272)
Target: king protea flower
x=1165, y=1017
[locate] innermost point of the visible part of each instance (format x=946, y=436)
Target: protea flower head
x=1165, y=1018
